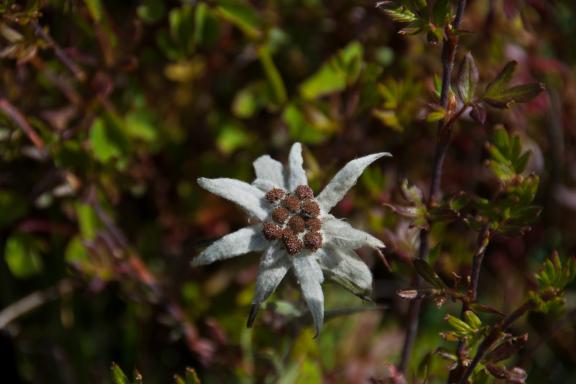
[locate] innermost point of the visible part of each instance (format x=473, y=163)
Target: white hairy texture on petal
x=344, y=180
x=310, y=278
x=273, y=267
x=342, y=234
x=296, y=173
x=264, y=185
x=250, y=198
x=266, y=168
x=344, y=267
x=237, y=243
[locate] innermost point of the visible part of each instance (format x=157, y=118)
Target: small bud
x=292, y=244
x=313, y=240
x=296, y=223
x=287, y=233
x=313, y=224
x=408, y=294
x=304, y=192
x=310, y=208
x=280, y=215
x=271, y=231
x=291, y=203
x=274, y=195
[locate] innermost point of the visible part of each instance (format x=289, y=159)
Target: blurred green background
x=110, y=110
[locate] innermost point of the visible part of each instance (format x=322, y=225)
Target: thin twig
x=203, y=348
x=18, y=118
x=444, y=132
x=481, y=245
x=483, y=241
x=32, y=301
x=493, y=336
x=59, y=52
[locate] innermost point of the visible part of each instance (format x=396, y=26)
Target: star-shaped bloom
x=295, y=230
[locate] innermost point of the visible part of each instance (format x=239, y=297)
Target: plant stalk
x=483, y=240
x=449, y=46
x=493, y=336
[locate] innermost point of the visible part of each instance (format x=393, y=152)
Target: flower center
x=294, y=219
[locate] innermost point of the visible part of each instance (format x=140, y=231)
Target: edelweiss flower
x=295, y=230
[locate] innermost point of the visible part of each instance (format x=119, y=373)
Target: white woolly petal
x=342, y=234
x=344, y=180
x=237, y=243
x=296, y=173
x=273, y=268
x=250, y=198
x=310, y=278
x=344, y=267
x=266, y=168
x=264, y=185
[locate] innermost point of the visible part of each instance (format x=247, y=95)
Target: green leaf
x=501, y=139
x=518, y=94
x=12, y=207
x=427, y=273
x=555, y=273
x=140, y=125
x=472, y=319
x=118, y=375
x=499, y=95
x=496, y=154
x=384, y=56
x=191, y=376
x=272, y=74
x=507, y=348
x=231, y=137
x=336, y=74
x=308, y=125
x=436, y=115
x=486, y=309
x=106, y=141
x=206, y=25
x=241, y=15
x=95, y=9
x=22, y=255
x=441, y=12
x=150, y=11
x=412, y=193
x=388, y=118
x=401, y=14
x=87, y=220
x=182, y=29
x=467, y=79
x=460, y=326
x=76, y=252
x=244, y=104
x=200, y=23
x=251, y=99
x=521, y=163
x=501, y=81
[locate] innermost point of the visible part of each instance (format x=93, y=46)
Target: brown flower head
x=296, y=223
x=293, y=244
x=280, y=215
x=304, y=192
x=313, y=224
x=313, y=241
x=271, y=231
x=274, y=195
x=291, y=203
x=310, y=208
